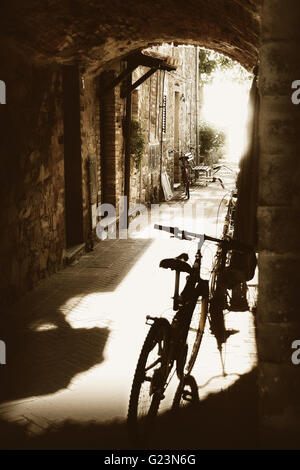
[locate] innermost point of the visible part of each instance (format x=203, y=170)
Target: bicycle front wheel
x=186, y=393
x=149, y=382
x=195, y=333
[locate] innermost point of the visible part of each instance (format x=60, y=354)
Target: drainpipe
x=127, y=150
x=161, y=130
x=90, y=242
x=197, y=103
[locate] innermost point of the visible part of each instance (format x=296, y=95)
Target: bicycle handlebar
x=185, y=235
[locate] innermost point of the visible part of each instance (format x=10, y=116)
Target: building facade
x=166, y=105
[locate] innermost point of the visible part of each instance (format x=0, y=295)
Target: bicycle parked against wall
x=186, y=161
x=192, y=174
x=172, y=346
x=185, y=174
x=218, y=291
x=222, y=298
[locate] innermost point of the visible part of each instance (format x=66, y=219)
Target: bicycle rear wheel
x=195, y=333
x=148, y=382
x=217, y=302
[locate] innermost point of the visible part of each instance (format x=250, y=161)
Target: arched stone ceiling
x=95, y=32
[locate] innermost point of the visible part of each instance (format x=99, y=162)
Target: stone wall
x=32, y=220
x=90, y=143
x=32, y=175
x=279, y=214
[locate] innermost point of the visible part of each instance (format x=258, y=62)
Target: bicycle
x=166, y=344
x=186, y=160
x=186, y=179
x=187, y=393
x=224, y=279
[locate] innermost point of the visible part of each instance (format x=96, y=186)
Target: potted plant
x=210, y=140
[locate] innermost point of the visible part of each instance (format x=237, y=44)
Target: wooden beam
x=133, y=62
x=141, y=80
x=119, y=78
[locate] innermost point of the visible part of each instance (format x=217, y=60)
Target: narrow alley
x=115, y=116
x=84, y=327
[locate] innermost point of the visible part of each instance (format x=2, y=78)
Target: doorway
x=72, y=156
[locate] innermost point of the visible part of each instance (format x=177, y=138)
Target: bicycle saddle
x=177, y=264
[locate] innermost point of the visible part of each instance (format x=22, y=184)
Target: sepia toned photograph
x=149, y=227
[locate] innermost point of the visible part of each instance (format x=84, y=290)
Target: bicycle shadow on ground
x=43, y=351
x=226, y=420
x=43, y=362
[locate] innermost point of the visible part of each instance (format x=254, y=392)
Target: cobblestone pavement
x=73, y=342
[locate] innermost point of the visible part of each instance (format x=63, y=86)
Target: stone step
x=74, y=253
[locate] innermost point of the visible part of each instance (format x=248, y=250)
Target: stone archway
x=97, y=32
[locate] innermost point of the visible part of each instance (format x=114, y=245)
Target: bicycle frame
x=184, y=305
x=188, y=295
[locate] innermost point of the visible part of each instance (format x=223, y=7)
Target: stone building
x=166, y=107
x=50, y=139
